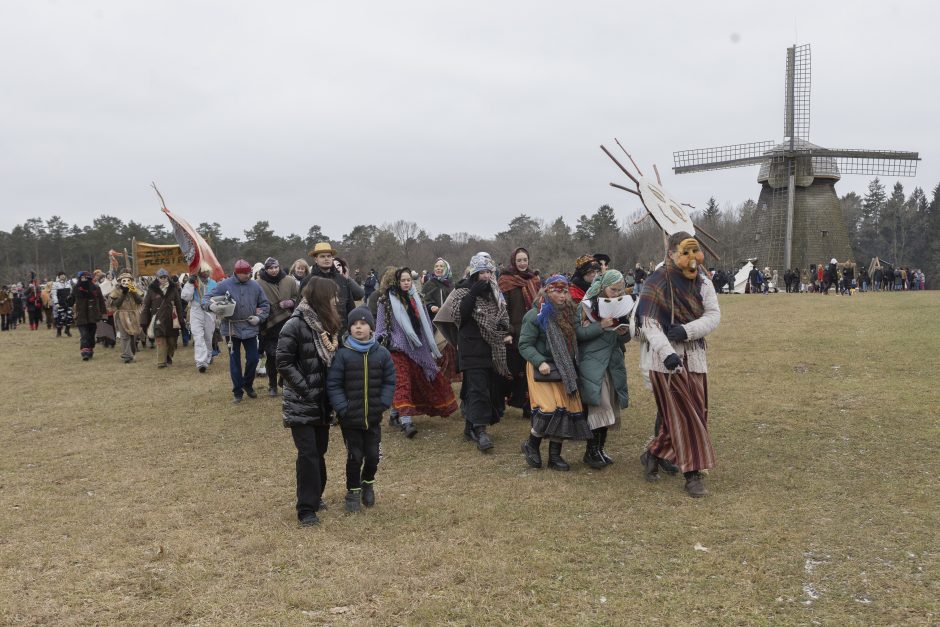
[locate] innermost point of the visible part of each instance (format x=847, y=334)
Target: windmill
x=800, y=219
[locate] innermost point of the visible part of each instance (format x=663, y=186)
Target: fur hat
x=360, y=313
x=584, y=264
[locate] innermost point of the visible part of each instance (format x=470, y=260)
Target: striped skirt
x=682, y=401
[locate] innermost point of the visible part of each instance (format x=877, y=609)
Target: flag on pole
x=196, y=250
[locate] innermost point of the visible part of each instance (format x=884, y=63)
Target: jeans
x=311, y=442
x=269, y=342
x=239, y=382
x=362, y=455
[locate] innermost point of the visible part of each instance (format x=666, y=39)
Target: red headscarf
x=524, y=280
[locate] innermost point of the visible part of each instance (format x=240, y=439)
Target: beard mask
x=688, y=257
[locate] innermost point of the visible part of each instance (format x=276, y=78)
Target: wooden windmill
x=800, y=218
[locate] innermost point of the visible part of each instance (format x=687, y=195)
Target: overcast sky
x=455, y=115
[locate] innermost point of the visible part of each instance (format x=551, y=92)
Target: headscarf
x=525, y=281
x=482, y=262
x=448, y=273
x=602, y=282
x=559, y=331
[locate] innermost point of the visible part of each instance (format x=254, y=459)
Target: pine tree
x=869, y=238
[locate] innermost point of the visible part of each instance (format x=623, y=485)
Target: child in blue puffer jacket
x=361, y=385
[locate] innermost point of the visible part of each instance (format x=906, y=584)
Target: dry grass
x=132, y=495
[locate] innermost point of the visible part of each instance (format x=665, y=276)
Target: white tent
x=740, y=279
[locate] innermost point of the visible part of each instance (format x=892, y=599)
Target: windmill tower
x=800, y=219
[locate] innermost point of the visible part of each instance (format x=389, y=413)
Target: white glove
x=214, y=306
x=254, y=320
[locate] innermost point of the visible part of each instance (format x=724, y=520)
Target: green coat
x=533, y=342
x=600, y=355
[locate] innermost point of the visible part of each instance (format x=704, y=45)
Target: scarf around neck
x=321, y=339
x=669, y=298
x=403, y=319
x=360, y=347
x=564, y=349
x=490, y=316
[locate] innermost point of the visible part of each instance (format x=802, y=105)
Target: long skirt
x=448, y=365
x=556, y=414
x=415, y=395
x=607, y=414
x=682, y=401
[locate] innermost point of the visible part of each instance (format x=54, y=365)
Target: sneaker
x=368, y=493
x=353, y=501
x=309, y=520
x=236, y=400
x=409, y=430
x=251, y=392
x=201, y=368
x=272, y=391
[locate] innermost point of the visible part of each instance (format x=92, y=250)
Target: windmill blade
x=720, y=157
x=797, y=93
x=871, y=162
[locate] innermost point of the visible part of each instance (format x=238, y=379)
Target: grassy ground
x=135, y=495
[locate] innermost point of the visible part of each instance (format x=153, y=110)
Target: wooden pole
x=620, y=165
x=626, y=189
x=136, y=270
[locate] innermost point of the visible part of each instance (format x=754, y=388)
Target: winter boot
x=600, y=449
x=354, y=501
x=592, y=456
x=409, y=430
x=484, y=442
x=530, y=448
x=68, y=332
x=555, y=461
x=694, y=484
x=368, y=493
x=468, y=433
x=58, y=331
x=650, y=466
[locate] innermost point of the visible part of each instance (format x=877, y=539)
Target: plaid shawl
x=492, y=320
x=668, y=297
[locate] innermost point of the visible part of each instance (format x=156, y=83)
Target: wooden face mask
x=688, y=257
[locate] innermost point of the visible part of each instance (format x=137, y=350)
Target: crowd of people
x=341, y=353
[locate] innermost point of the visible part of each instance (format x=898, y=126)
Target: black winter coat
x=345, y=291
x=473, y=351
x=305, y=399
x=361, y=385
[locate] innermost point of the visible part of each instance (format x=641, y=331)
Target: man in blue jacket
x=241, y=328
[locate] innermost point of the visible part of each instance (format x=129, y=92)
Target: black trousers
x=4, y=322
x=87, y=339
x=311, y=442
x=481, y=398
x=269, y=348
x=362, y=454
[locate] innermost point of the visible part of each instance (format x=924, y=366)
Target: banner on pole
x=196, y=251
x=151, y=257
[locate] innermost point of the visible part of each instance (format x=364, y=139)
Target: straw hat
x=322, y=247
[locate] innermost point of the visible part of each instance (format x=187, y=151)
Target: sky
x=455, y=115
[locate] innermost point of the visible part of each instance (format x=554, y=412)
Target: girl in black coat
x=305, y=349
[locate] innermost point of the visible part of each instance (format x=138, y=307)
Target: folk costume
x=520, y=288
x=479, y=312
x=125, y=301
x=675, y=313
x=550, y=334
x=579, y=284
x=403, y=327
x=434, y=292
x=62, y=305
x=89, y=309
x=164, y=308
x=603, y=375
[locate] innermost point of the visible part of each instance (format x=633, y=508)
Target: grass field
x=135, y=495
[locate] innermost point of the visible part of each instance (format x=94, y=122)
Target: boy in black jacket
x=361, y=385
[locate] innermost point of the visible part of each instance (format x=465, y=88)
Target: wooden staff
x=619, y=165
x=626, y=189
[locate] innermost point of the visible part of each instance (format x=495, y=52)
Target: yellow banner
x=152, y=257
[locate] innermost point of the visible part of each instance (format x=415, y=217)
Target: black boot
x=58, y=331
x=468, y=433
x=600, y=449
x=555, y=461
x=530, y=448
x=68, y=332
x=484, y=442
x=650, y=466
x=592, y=456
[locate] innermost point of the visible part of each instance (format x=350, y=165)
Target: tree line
x=899, y=227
